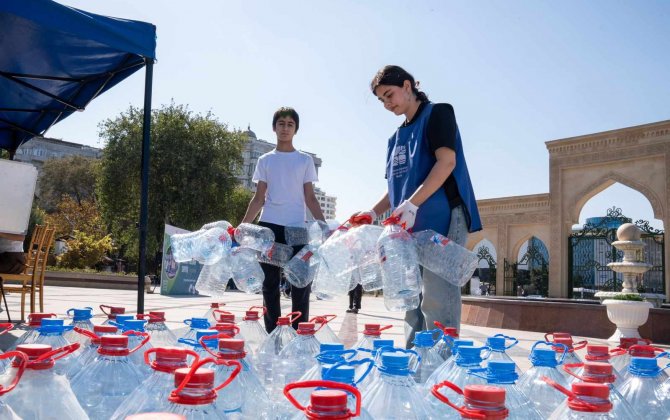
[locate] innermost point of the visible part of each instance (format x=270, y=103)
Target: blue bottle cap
x=501, y=365
x=120, y=319
x=501, y=372
x=81, y=314
x=458, y=343
x=330, y=346
x=496, y=343
x=424, y=339
x=213, y=343
x=342, y=374
x=544, y=357
x=199, y=323
x=379, y=343
x=469, y=355
x=134, y=325
x=53, y=329
x=395, y=363
x=48, y=322
x=643, y=366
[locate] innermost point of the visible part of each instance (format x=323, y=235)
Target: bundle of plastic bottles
x=227, y=366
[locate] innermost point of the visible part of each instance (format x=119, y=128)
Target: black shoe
x=352, y=311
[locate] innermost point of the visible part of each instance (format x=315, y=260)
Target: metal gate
x=590, y=250
x=487, y=275
x=529, y=275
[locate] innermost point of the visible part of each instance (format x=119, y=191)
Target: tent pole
x=144, y=197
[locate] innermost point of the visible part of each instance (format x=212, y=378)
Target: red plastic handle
x=322, y=384
x=188, y=352
x=197, y=365
x=103, y=310
x=292, y=316
x=6, y=326
x=323, y=319
x=568, y=369
x=19, y=371
x=363, y=219
x=236, y=329
x=219, y=311
x=145, y=340
x=579, y=345
x=263, y=308
x=211, y=337
x=58, y=353
x=392, y=220
x=435, y=390
x=87, y=333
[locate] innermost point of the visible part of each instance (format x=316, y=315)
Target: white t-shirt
x=7, y=245
x=286, y=173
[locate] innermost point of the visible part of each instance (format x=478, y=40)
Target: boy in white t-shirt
x=284, y=189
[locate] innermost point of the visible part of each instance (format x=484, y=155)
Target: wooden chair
x=32, y=278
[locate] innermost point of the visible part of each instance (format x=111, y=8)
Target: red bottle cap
x=490, y=396
x=372, y=329
x=328, y=401
x=562, y=340
x=114, y=341
x=117, y=310
x=305, y=328
x=251, y=316
x=626, y=342
x=593, y=392
x=201, y=378
x=226, y=328
x=594, y=353
x=104, y=329
x=595, y=372
x=33, y=351
x=214, y=305
x=450, y=331
x=220, y=318
x=170, y=355
x=584, y=389
x=35, y=319
x=643, y=351
x=283, y=320
x=157, y=316
x=231, y=344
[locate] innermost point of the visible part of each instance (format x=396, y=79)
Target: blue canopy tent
x=54, y=60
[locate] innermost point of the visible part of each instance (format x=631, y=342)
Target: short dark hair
x=395, y=76
x=286, y=111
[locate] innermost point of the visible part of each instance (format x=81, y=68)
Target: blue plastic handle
x=508, y=338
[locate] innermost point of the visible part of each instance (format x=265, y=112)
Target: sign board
x=17, y=189
x=177, y=278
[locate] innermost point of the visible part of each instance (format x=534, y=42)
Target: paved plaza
x=177, y=308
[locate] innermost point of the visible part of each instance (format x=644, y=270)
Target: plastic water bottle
x=302, y=267
x=571, y=356
x=396, y=395
x=42, y=393
x=297, y=357
x=111, y=312
x=109, y=379
x=327, y=286
x=586, y=401
x=245, y=396
x=88, y=351
x=268, y=351
x=641, y=388
x=230, y=330
x=399, y=263
x=278, y=255
x=213, y=279
x=152, y=395
x=621, y=362
x=424, y=345
x=324, y=333
x=252, y=330
x=20, y=363
x=447, y=342
x=214, y=306
x=222, y=224
x=182, y=245
x=204, y=339
x=370, y=333
x=224, y=317
x=308, y=233
x=499, y=346
x=329, y=401
x=379, y=345
x=329, y=354
x=51, y=333
x=211, y=246
x=448, y=365
x=81, y=318
x=134, y=329
x=485, y=402
x=444, y=257
x=502, y=373
x=603, y=373
x=254, y=237
x=194, y=324
x=336, y=252
x=247, y=272
x=593, y=354
x=195, y=393
x=545, y=364
x=32, y=330
x=161, y=335
x=645, y=352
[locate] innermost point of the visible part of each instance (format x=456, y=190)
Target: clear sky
x=518, y=73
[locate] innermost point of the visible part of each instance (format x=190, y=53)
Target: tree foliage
x=193, y=162
x=74, y=176
x=70, y=216
x=85, y=250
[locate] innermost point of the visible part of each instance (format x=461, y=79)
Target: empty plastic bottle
x=399, y=263
x=484, y=402
x=329, y=401
x=329, y=354
x=603, y=373
x=545, y=364
x=499, y=346
x=309, y=233
x=297, y=357
x=51, y=333
x=134, y=329
x=336, y=252
x=379, y=345
x=448, y=365
x=641, y=388
x=152, y=395
x=222, y=224
x=273, y=345
x=213, y=279
x=81, y=318
x=245, y=396
x=621, y=362
x=447, y=342
x=214, y=306
x=324, y=333
x=195, y=393
x=182, y=245
x=301, y=269
x=444, y=257
x=326, y=286
x=224, y=316
x=42, y=393
x=424, y=345
x=88, y=351
x=586, y=401
x=370, y=333
x=194, y=324
x=252, y=330
x=20, y=363
x=278, y=255
x=645, y=352
x=571, y=356
x=502, y=373
x=203, y=340
x=109, y=379
x=161, y=335
x=254, y=237
x=111, y=312
x=395, y=395
x=594, y=354
x=34, y=323
x=246, y=271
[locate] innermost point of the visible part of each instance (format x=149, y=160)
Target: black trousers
x=355, y=296
x=12, y=262
x=271, y=293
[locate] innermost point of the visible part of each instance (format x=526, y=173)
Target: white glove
x=407, y=213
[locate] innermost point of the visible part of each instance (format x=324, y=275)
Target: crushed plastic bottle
x=444, y=257
x=194, y=324
x=586, y=401
x=329, y=401
x=484, y=402
x=544, y=362
x=370, y=333
x=195, y=393
x=81, y=318
x=161, y=335
x=269, y=350
x=424, y=345
x=42, y=393
x=110, y=378
x=621, y=362
x=594, y=353
x=51, y=333
x=279, y=255
x=603, y=373
x=399, y=263
x=214, y=306
x=503, y=374
x=34, y=323
x=301, y=269
x=642, y=385
x=324, y=333
x=296, y=358
x=111, y=312
x=252, y=330
x=152, y=395
x=447, y=342
x=20, y=363
x=88, y=351
x=246, y=271
x=498, y=345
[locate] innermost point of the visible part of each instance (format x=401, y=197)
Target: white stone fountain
x=627, y=315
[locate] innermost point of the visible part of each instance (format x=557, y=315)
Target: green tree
x=74, y=176
x=84, y=250
x=192, y=175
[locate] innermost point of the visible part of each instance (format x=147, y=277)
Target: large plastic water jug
x=161, y=335
x=296, y=358
x=328, y=401
x=399, y=263
x=246, y=271
x=111, y=312
x=276, y=341
x=424, y=345
x=641, y=388
x=252, y=330
x=484, y=402
x=255, y=237
x=444, y=257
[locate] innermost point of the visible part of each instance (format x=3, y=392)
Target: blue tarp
x=55, y=59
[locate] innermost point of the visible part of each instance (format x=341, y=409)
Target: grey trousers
x=439, y=300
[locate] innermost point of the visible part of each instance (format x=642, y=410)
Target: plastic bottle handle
x=435, y=390
x=392, y=220
x=323, y=319
x=195, y=366
x=188, y=352
x=571, y=395
x=58, y=353
x=145, y=340
x=552, y=345
x=322, y=384
x=236, y=330
x=363, y=219
x=103, y=310
x=568, y=369
x=508, y=338
x=385, y=327
x=19, y=371
x=371, y=364
x=6, y=326
x=87, y=333
x=579, y=345
x=212, y=337
x=263, y=308
x=631, y=349
x=292, y=316
x=440, y=335
x=219, y=311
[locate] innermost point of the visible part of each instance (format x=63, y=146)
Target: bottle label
x=306, y=256
x=382, y=254
x=440, y=240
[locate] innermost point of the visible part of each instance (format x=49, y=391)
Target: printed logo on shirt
x=399, y=164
